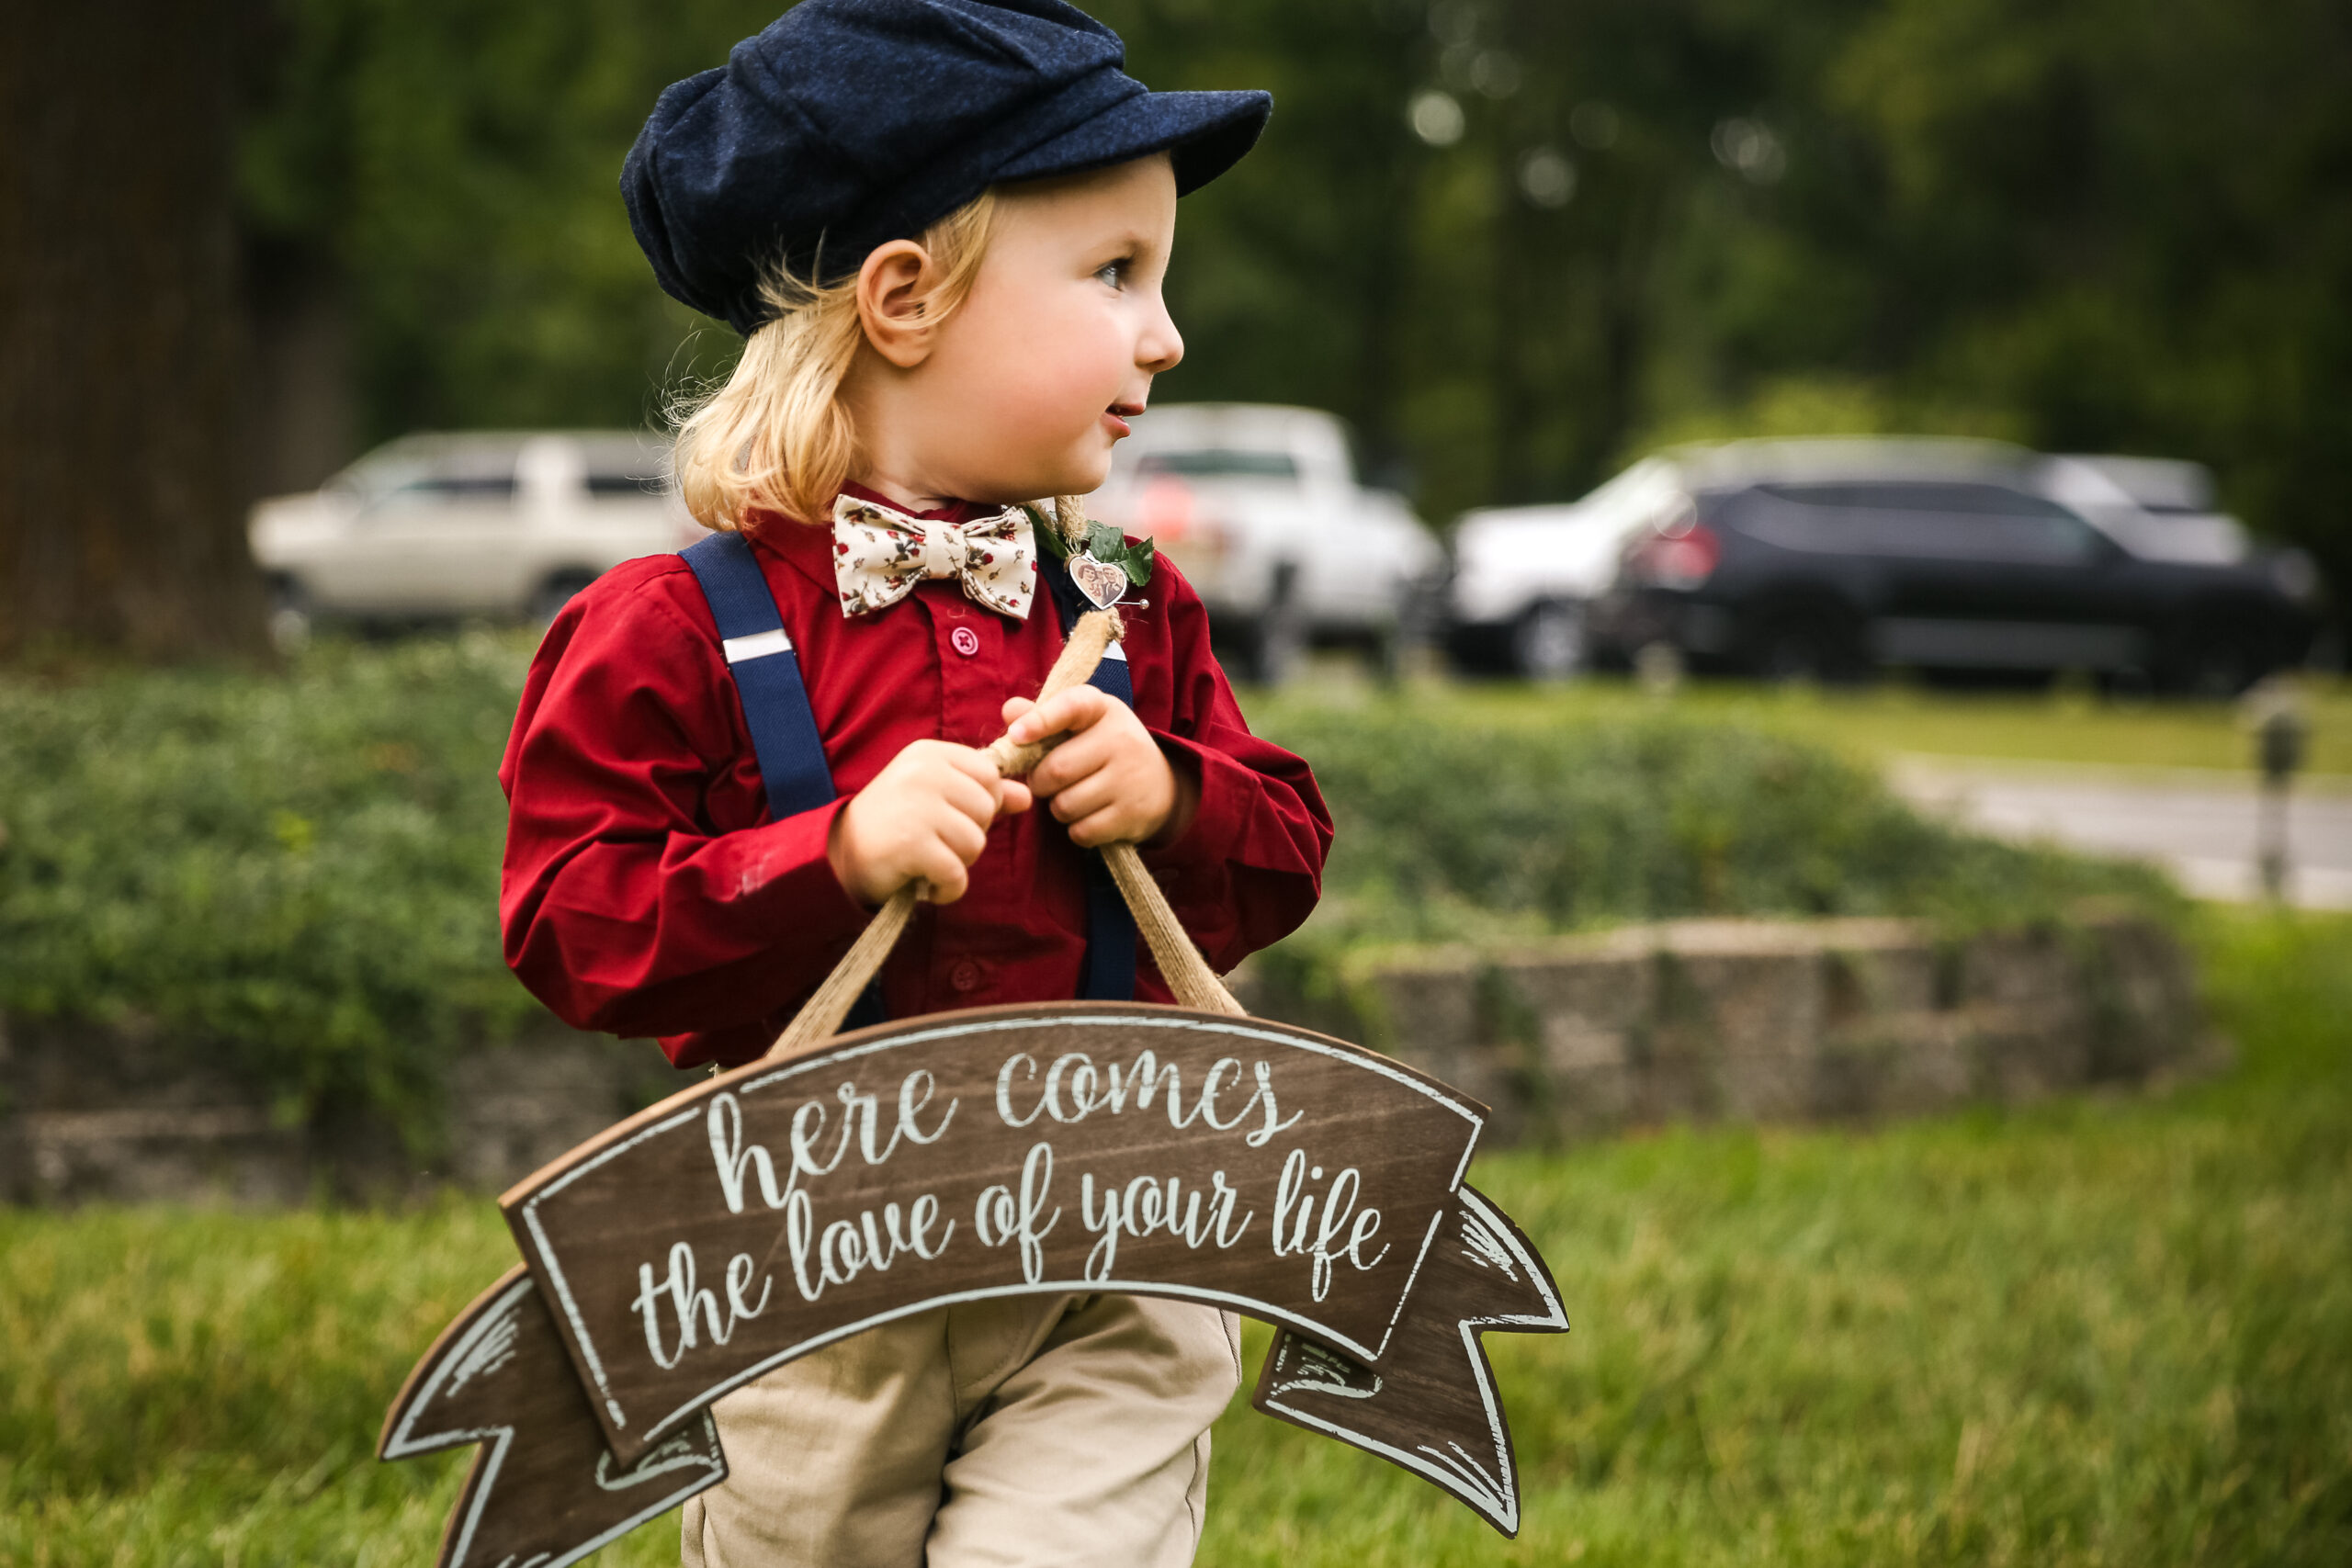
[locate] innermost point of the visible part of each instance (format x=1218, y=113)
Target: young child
x=943, y=227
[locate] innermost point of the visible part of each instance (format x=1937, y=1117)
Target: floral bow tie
x=880, y=553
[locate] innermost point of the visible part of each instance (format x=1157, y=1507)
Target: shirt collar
x=808, y=547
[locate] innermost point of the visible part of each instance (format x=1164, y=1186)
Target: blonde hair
x=776, y=435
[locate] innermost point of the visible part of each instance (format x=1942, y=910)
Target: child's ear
x=891, y=290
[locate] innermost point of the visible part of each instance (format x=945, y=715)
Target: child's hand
x=1109, y=780
x=924, y=817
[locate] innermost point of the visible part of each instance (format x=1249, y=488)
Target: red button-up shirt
x=646, y=892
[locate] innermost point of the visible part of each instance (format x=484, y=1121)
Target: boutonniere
x=1105, y=565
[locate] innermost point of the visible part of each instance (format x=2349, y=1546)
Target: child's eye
x=1115, y=273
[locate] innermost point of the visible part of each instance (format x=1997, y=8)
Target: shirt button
x=965, y=975
x=966, y=642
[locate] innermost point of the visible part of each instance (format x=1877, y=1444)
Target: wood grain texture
x=1067, y=1146
x=1062, y=1147
x=543, y=1488
x=1431, y=1406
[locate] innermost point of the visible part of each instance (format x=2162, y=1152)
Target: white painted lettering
x=1274, y=1124
x=695, y=1309
x=1028, y=1065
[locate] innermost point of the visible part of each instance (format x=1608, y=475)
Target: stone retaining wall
x=1754, y=1020
x=115, y=1114
x=1770, y=1020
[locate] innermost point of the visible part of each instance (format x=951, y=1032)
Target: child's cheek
x=1058, y=396
x=1019, y=433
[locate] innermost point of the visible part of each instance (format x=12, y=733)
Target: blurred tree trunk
x=1514, y=260
x=121, y=437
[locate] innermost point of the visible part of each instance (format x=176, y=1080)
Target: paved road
x=2200, y=823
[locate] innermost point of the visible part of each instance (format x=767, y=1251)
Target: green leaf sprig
x=1103, y=542
x=1110, y=547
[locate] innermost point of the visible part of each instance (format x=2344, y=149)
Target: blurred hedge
x=1448, y=828
x=300, y=872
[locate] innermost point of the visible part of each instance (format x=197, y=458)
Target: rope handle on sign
x=1188, y=973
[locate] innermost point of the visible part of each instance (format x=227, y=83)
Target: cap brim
x=1206, y=133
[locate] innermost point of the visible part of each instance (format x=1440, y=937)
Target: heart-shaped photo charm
x=1102, y=583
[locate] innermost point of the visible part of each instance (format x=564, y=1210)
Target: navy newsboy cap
x=847, y=123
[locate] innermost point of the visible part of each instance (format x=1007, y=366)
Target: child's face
x=1029, y=383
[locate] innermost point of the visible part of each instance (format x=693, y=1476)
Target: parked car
x=1261, y=509
x=2158, y=508
x=1526, y=578
x=505, y=525
x=1826, y=558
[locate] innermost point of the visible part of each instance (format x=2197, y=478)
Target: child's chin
x=1086, y=473
x=1078, y=469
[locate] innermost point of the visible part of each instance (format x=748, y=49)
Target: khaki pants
x=1031, y=1432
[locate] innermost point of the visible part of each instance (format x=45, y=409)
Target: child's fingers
x=1085, y=797
x=1014, y=707
x=1081, y=756
x=1107, y=826
x=962, y=838
x=970, y=785
x=1075, y=709
x=938, y=854
x=945, y=876
x=972, y=763
x=1014, y=797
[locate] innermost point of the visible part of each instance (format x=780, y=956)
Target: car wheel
x=1804, y=646
x=1548, y=641
x=1418, y=627
x=1279, y=646
x=290, y=616
x=1270, y=647
x=2217, y=661
x=555, y=594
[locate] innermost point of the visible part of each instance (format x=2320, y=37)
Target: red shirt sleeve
x=1249, y=869
x=625, y=907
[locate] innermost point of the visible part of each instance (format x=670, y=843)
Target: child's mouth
x=1116, y=417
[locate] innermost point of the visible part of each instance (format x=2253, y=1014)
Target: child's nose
x=1162, y=346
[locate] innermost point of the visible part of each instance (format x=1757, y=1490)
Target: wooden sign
x=1069, y=1147
x=497, y=1376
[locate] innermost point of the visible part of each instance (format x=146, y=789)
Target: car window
x=624, y=487
x=1650, y=492
x=452, y=490
x=1219, y=463
x=1949, y=521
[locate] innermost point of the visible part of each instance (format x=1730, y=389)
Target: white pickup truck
x=1261, y=508
x=504, y=525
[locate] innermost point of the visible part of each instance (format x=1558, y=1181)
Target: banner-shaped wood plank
x=543, y=1489
x=1070, y=1147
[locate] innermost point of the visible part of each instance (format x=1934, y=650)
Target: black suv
x=1786, y=567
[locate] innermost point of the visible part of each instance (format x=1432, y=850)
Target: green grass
x=2101, y=1332
x=2105, y=1331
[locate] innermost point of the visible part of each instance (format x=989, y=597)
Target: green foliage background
x=2088, y=224
x=299, y=872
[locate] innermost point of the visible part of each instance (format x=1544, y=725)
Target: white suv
x=507, y=525
x=1524, y=576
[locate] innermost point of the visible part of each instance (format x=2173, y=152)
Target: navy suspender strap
x=775, y=703
x=1109, y=973
x=767, y=675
